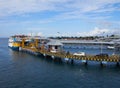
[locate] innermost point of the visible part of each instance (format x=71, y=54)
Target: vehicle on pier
x=79, y=54
x=110, y=47
x=102, y=55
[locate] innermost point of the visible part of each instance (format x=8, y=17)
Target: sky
x=59, y=17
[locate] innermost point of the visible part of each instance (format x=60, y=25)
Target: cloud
x=95, y=32
x=21, y=13
x=18, y=7
x=64, y=7
x=98, y=32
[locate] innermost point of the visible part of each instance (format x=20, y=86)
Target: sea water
x=22, y=70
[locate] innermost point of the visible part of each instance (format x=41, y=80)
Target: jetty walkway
x=35, y=48
x=65, y=55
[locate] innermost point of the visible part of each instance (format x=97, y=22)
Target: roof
x=55, y=43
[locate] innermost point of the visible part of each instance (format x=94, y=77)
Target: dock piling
x=72, y=61
x=117, y=64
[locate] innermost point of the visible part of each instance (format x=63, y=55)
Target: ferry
x=15, y=42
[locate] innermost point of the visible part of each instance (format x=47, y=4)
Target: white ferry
x=15, y=42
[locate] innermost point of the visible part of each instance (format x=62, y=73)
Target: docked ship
x=15, y=41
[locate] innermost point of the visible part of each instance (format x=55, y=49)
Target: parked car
x=79, y=54
x=102, y=55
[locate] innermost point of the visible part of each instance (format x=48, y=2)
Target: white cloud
x=76, y=7
x=89, y=10
x=95, y=32
x=98, y=31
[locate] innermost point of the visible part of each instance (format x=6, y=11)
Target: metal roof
x=84, y=42
x=55, y=43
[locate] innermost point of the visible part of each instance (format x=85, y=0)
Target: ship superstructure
x=15, y=41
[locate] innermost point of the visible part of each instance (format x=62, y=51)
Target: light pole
x=102, y=44
x=114, y=48
x=101, y=47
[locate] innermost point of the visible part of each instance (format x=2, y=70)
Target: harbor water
x=22, y=70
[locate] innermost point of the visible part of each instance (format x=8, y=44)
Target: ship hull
x=14, y=48
x=14, y=45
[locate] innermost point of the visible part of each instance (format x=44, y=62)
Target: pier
x=113, y=58
x=41, y=51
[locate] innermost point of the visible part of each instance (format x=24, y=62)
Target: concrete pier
x=29, y=51
x=70, y=58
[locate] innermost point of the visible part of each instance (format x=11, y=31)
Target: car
x=102, y=55
x=79, y=54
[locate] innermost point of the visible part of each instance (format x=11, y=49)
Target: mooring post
x=53, y=57
x=44, y=55
x=72, y=61
x=117, y=64
x=59, y=59
x=67, y=60
x=86, y=63
x=101, y=64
